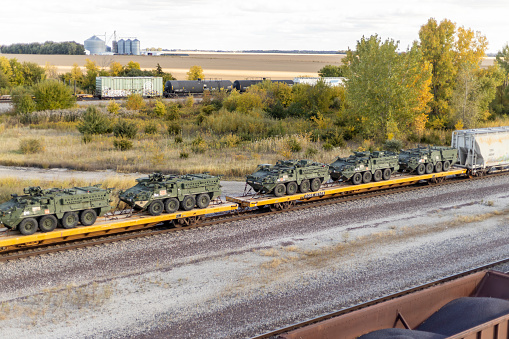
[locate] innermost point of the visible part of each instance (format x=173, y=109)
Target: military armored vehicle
x=362, y=167
x=158, y=193
x=427, y=159
x=288, y=177
x=43, y=208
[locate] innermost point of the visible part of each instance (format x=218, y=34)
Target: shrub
x=199, y=145
x=310, y=152
x=189, y=101
x=30, y=146
x=173, y=112
x=178, y=139
x=294, y=145
x=327, y=147
x=94, y=122
x=393, y=145
x=230, y=140
x=160, y=109
x=184, y=155
x=113, y=107
x=174, y=128
x=150, y=128
x=123, y=144
x=125, y=129
x=50, y=94
x=22, y=101
x=135, y=102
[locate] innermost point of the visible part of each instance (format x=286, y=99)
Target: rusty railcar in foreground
x=410, y=313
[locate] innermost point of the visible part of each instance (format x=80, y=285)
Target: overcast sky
x=245, y=24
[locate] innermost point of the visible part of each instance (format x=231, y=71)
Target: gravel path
x=242, y=278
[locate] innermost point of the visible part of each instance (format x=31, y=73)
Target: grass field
x=228, y=66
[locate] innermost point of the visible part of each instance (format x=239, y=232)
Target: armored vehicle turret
x=43, y=208
x=364, y=167
x=427, y=159
x=288, y=177
x=158, y=193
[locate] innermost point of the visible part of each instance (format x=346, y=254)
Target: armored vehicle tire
x=304, y=186
x=387, y=174
x=48, y=223
x=203, y=200
x=446, y=166
x=429, y=168
x=291, y=188
x=357, y=178
x=279, y=190
x=70, y=220
x=420, y=169
x=156, y=207
x=315, y=184
x=188, y=203
x=438, y=166
x=366, y=177
x=171, y=205
x=28, y=226
x=88, y=217
x=378, y=175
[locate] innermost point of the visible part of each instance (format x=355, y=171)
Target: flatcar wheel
x=171, y=205
x=188, y=203
x=366, y=177
x=357, y=178
x=304, y=186
x=202, y=200
x=28, y=226
x=88, y=217
x=48, y=223
x=438, y=167
x=291, y=188
x=420, y=169
x=387, y=174
x=377, y=176
x=315, y=184
x=429, y=168
x=279, y=190
x=70, y=220
x=446, y=166
x=156, y=207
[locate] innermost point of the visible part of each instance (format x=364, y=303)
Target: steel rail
x=275, y=333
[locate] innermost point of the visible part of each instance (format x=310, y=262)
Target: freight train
x=478, y=151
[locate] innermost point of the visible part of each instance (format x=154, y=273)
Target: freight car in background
x=173, y=88
x=122, y=87
x=243, y=85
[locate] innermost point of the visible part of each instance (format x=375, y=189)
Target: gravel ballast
x=242, y=278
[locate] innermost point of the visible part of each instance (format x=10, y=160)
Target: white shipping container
x=482, y=148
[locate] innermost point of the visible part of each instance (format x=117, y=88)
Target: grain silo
x=135, y=47
x=121, y=46
x=128, y=49
x=95, y=45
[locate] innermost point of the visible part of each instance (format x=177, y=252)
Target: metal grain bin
x=482, y=149
x=135, y=47
x=121, y=46
x=121, y=87
x=128, y=48
x=95, y=45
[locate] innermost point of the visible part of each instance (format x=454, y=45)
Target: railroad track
x=275, y=333
x=89, y=240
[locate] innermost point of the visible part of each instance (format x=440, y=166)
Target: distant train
x=174, y=88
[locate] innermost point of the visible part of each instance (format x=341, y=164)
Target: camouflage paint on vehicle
x=364, y=167
x=427, y=159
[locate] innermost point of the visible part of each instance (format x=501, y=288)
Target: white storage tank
x=128, y=49
x=135, y=47
x=482, y=149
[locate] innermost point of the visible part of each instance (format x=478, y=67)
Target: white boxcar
x=121, y=87
x=482, y=149
x=331, y=81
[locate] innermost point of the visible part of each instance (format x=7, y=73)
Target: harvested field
x=228, y=66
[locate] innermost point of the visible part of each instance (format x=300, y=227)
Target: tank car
x=427, y=159
x=243, y=85
x=42, y=209
x=288, y=177
x=158, y=193
x=364, y=167
x=185, y=87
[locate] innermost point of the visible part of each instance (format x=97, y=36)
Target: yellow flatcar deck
x=341, y=189
x=15, y=239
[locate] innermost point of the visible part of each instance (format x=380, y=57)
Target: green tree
x=332, y=71
x=90, y=76
x=384, y=91
x=94, y=122
x=195, y=73
x=125, y=129
x=22, y=100
x=501, y=101
x=51, y=94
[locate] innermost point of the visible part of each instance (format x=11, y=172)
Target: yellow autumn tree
x=115, y=68
x=195, y=73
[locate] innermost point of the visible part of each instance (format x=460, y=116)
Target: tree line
x=48, y=47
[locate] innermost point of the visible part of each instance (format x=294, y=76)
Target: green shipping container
x=121, y=87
